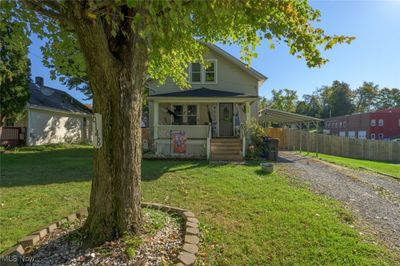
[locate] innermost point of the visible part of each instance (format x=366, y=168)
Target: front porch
x=188, y=127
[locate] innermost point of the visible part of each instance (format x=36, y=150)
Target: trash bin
x=269, y=148
x=273, y=145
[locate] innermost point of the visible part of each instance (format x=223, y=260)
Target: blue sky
x=373, y=56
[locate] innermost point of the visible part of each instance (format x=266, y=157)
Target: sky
x=373, y=56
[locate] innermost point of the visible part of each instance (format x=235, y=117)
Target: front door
x=225, y=119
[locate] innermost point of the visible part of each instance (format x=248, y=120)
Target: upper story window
x=206, y=74
x=380, y=122
x=373, y=122
x=195, y=73
x=210, y=72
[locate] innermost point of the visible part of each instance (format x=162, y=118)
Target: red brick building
x=383, y=124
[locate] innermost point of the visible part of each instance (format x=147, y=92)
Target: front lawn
x=389, y=168
x=246, y=218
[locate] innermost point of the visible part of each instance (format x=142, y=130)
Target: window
x=195, y=73
x=380, y=122
x=210, y=72
x=178, y=115
x=380, y=136
x=372, y=136
x=84, y=122
x=344, y=124
x=184, y=115
x=206, y=74
x=9, y=122
x=192, y=114
x=373, y=122
x=341, y=124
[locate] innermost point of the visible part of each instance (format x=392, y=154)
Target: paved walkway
x=373, y=198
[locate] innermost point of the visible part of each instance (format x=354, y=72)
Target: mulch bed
x=156, y=247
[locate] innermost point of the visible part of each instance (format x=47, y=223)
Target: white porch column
x=155, y=120
x=248, y=112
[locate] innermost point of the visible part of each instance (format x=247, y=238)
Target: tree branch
x=49, y=11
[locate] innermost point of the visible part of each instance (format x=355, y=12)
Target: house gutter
x=36, y=107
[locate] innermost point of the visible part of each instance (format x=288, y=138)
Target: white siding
x=48, y=127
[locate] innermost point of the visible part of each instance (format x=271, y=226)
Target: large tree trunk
x=117, y=82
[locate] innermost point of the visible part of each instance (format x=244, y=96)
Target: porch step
x=226, y=149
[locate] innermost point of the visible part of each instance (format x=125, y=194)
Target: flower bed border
x=186, y=257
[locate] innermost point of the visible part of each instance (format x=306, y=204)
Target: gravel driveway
x=373, y=198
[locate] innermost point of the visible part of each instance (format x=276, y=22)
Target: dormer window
x=203, y=75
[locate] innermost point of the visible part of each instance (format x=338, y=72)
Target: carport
x=287, y=119
x=283, y=118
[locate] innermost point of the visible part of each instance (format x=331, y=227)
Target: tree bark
x=117, y=81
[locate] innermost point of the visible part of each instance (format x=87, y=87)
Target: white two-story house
x=205, y=121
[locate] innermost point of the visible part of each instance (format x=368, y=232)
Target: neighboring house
x=52, y=116
x=383, y=124
x=205, y=121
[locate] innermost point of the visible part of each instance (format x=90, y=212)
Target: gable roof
x=243, y=66
x=46, y=97
x=203, y=92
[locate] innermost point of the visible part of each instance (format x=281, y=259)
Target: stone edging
x=186, y=257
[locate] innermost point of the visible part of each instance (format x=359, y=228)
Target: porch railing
x=192, y=131
x=243, y=138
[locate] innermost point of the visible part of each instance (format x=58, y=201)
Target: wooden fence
x=376, y=150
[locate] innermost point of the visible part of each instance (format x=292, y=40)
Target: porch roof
x=202, y=93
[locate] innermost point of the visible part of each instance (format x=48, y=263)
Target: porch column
x=248, y=112
x=155, y=120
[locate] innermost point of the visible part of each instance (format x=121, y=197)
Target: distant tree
x=14, y=67
x=388, y=98
x=264, y=103
x=336, y=99
x=302, y=108
x=284, y=100
x=365, y=96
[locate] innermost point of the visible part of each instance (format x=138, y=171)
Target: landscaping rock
x=72, y=217
x=191, y=248
x=192, y=220
x=42, y=233
x=82, y=213
x=187, y=258
x=192, y=231
x=51, y=228
x=190, y=239
x=190, y=224
x=189, y=214
x=29, y=241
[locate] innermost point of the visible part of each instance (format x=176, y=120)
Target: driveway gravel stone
x=373, y=198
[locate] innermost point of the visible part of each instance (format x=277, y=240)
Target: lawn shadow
x=43, y=167
x=154, y=169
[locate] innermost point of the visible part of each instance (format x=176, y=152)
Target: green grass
x=389, y=168
x=246, y=218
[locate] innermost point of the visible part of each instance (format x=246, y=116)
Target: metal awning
x=286, y=118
